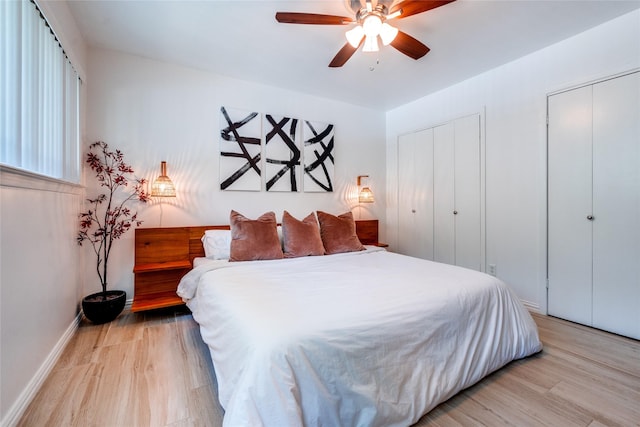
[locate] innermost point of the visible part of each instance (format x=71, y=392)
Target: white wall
x=512, y=99
x=40, y=276
x=156, y=111
x=40, y=262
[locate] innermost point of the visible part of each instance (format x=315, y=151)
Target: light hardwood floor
x=152, y=369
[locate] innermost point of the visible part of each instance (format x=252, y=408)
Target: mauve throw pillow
x=301, y=238
x=338, y=233
x=254, y=239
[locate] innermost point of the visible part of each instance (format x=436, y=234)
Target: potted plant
x=107, y=220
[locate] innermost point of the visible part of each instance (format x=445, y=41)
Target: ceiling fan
x=371, y=22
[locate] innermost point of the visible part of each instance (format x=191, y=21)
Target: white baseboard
x=531, y=306
x=20, y=405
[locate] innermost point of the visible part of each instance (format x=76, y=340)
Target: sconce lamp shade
x=365, y=195
x=163, y=186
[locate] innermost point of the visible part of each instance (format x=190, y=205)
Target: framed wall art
x=240, y=150
x=318, y=156
x=283, y=156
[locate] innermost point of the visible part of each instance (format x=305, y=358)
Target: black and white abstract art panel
x=240, y=150
x=318, y=156
x=282, y=153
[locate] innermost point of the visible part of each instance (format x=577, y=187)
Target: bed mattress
x=367, y=338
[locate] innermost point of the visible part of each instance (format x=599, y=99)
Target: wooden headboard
x=167, y=244
x=164, y=255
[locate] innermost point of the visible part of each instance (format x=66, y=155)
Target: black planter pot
x=104, y=307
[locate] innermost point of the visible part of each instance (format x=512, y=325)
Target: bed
x=358, y=338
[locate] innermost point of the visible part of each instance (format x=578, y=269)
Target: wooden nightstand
x=367, y=231
x=161, y=259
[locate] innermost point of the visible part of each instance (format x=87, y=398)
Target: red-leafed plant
x=109, y=218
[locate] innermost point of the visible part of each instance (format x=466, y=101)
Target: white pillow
x=216, y=243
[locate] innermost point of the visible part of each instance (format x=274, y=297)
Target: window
x=39, y=109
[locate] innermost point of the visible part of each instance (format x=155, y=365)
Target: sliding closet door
x=569, y=205
x=415, y=188
x=467, y=192
x=444, y=249
x=616, y=205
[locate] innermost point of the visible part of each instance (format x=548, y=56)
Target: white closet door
x=616, y=205
x=444, y=249
x=406, y=196
x=467, y=192
x=569, y=198
x=415, y=203
x=424, y=192
x=439, y=193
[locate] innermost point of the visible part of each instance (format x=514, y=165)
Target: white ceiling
x=241, y=39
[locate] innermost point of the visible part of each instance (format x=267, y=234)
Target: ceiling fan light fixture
x=354, y=36
x=372, y=25
x=387, y=33
x=370, y=44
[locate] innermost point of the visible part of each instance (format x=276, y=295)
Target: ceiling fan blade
x=409, y=46
x=413, y=7
x=311, y=18
x=343, y=55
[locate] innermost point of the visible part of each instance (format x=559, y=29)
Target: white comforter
x=368, y=338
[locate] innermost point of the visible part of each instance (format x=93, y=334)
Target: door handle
x=455, y=212
x=590, y=217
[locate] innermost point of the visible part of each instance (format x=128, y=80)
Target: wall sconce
x=162, y=186
x=365, y=195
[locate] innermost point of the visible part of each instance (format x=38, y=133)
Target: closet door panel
x=443, y=194
x=467, y=192
x=415, y=188
x=616, y=205
x=424, y=192
x=406, y=195
x=569, y=205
